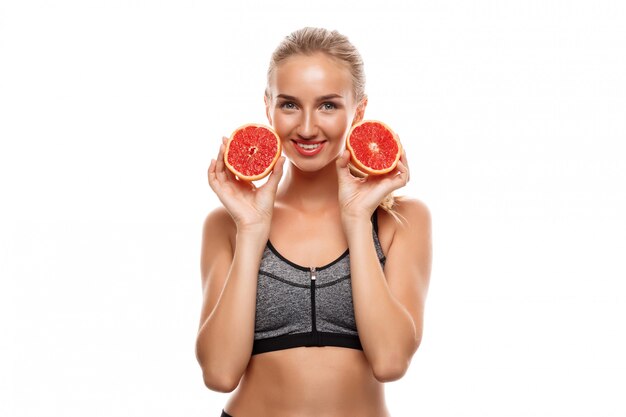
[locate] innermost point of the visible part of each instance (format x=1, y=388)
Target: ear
x=360, y=111
x=267, y=109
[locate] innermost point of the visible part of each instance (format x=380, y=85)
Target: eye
x=285, y=105
x=328, y=103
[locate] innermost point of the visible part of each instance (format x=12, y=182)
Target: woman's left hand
x=359, y=197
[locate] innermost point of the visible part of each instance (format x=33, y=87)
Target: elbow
x=391, y=372
x=395, y=366
x=219, y=383
x=216, y=378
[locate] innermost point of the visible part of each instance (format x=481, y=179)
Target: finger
x=342, y=166
x=211, y=170
x=220, y=166
x=401, y=160
x=346, y=157
x=212, y=175
x=403, y=157
x=405, y=165
x=276, y=174
x=402, y=177
x=220, y=159
x=342, y=161
x=230, y=176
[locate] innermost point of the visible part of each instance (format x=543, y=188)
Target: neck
x=310, y=191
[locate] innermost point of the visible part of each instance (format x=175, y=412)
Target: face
x=312, y=109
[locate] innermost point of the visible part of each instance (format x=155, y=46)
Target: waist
x=314, y=381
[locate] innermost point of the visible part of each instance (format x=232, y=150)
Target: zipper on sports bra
x=316, y=340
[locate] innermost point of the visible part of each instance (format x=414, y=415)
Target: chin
x=308, y=166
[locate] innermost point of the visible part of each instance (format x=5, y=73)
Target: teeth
x=308, y=146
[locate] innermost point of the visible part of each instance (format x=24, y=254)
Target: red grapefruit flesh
x=252, y=151
x=374, y=148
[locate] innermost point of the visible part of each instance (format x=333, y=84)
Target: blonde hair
x=310, y=40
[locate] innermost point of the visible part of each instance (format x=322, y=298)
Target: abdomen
x=309, y=381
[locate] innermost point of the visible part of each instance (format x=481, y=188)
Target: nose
x=307, y=128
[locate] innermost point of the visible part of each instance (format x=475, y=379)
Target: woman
x=293, y=320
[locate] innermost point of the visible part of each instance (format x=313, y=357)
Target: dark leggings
x=225, y=414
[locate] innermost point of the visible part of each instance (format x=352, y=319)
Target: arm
x=229, y=282
x=389, y=304
x=230, y=272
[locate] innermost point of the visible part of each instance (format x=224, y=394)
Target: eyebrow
x=326, y=97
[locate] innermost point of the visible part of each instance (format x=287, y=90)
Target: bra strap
x=375, y=220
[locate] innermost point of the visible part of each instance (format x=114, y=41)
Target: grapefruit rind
x=268, y=169
x=364, y=168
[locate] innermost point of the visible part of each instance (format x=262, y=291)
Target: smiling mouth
x=308, y=146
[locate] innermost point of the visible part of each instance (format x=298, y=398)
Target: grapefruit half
x=374, y=148
x=252, y=151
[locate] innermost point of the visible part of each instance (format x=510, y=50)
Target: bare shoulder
x=414, y=213
x=410, y=222
x=219, y=225
x=413, y=216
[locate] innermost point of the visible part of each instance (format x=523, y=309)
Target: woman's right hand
x=249, y=206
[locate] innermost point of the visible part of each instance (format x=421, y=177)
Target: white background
x=513, y=117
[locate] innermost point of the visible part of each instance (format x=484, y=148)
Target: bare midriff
x=308, y=382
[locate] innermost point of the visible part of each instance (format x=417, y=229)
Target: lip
x=308, y=141
x=304, y=152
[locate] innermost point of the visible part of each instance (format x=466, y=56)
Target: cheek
x=282, y=124
x=336, y=127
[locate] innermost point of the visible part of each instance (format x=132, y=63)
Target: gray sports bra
x=306, y=306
